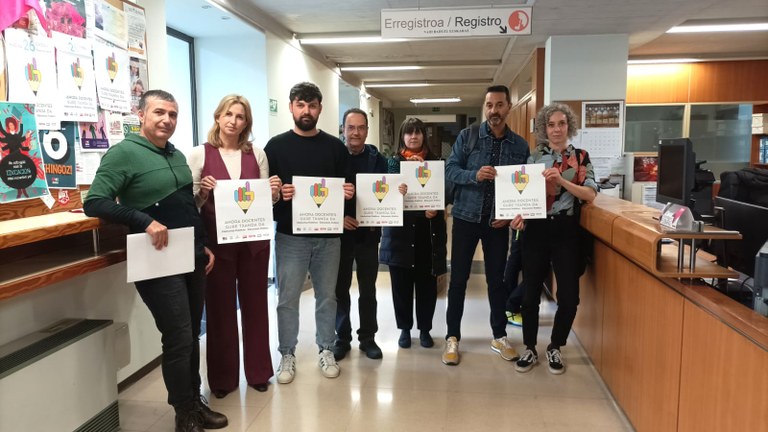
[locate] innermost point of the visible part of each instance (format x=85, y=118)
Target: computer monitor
x=676, y=172
x=748, y=220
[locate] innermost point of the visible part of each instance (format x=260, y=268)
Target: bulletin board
x=69, y=89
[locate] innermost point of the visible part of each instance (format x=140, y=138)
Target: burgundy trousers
x=243, y=276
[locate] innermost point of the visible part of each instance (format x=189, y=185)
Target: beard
x=495, y=120
x=305, y=123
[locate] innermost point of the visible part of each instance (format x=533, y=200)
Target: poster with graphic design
x=109, y=22
x=318, y=205
x=66, y=16
x=93, y=135
x=426, y=185
x=520, y=190
x=243, y=210
x=32, y=74
x=131, y=124
x=136, y=26
x=139, y=81
x=22, y=174
x=59, y=155
x=112, y=77
x=77, y=84
x=378, y=202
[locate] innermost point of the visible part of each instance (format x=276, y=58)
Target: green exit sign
x=273, y=106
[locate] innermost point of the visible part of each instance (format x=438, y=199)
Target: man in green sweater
x=154, y=185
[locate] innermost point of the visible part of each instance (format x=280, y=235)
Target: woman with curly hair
x=570, y=181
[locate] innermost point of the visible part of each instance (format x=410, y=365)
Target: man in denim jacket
x=473, y=173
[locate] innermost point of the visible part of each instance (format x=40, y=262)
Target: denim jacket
x=462, y=168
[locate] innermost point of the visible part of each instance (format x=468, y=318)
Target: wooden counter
x=676, y=354
x=37, y=251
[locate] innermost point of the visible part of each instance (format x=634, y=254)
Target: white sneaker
x=287, y=369
x=328, y=364
x=451, y=352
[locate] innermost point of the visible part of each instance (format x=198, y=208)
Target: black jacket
x=398, y=243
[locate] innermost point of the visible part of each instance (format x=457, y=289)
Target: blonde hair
x=242, y=141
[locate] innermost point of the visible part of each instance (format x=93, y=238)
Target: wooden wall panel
x=729, y=81
x=658, y=83
x=642, y=338
x=724, y=384
x=589, y=320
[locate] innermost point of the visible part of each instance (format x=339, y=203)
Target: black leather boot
x=210, y=419
x=188, y=419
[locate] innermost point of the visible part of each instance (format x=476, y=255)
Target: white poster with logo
x=378, y=200
x=77, y=83
x=426, y=185
x=32, y=75
x=318, y=205
x=243, y=210
x=520, y=190
x=112, y=77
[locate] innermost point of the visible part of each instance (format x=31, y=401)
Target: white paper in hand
x=145, y=262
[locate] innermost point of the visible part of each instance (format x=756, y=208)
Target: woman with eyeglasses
x=415, y=252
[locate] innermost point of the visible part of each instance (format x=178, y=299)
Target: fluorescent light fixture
x=664, y=61
x=378, y=68
x=706, y=28
x=394, y=85
x=436, y=100
x=346, y=40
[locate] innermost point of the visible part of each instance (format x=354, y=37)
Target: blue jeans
x=176, y=303
x=495, y=241
x=295, y=256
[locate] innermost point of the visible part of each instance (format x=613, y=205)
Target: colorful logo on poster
x=244, y=197
x=34, y=76
x=520, y=180
x=112, y=67
x=318, y=192
x=380, y=188
x=423, y=174
x=77, y=73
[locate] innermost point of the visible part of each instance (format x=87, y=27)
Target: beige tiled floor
x=410, y=389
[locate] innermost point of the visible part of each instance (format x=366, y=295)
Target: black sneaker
x=405, y=339
x=527, y=361
x=210, y=419
x=371, y=350
x=426, y=339
x=340, y=349
x=555, y=360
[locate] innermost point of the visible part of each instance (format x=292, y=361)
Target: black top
x=289, y=155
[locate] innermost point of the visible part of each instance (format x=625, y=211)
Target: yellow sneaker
x=515, y=319
x=504, y=348
x=451, y=352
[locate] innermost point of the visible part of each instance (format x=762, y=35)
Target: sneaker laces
x=287, y=363
x=326, y=359
x=555, y=356
x=504, y=342
x=452, y=345
x=528, y=356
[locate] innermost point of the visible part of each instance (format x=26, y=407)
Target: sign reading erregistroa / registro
x=442, y=23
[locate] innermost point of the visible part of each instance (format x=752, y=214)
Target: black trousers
x=494, y=241
x=366, y=256
x=176, y=303
x=553, y=240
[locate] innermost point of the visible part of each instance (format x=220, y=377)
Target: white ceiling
x=480, y=60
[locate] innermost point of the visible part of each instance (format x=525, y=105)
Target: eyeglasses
x=357, y=128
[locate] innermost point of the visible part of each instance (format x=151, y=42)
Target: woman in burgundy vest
x=241, y=268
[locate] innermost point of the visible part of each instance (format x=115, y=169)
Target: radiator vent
x=107, y=420
x=51, y=339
